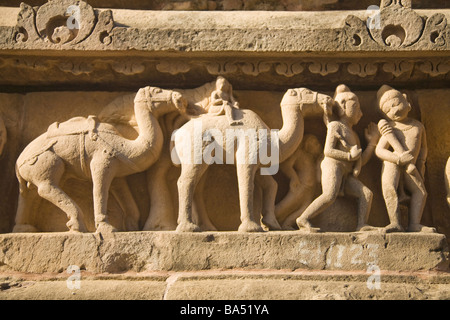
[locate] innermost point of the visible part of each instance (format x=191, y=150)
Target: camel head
x=161, y=101
x=309, y=102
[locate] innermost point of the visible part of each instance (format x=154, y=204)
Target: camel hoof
x=19, y=228
x=76, y=226
x=272, y=225
x=394, y=228
x=421, y=228
x=289, y=227
x=309, y=230
x=105, y=228
x=188, y=227
x=250, y=226
x=132, y=225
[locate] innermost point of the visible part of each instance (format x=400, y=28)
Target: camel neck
x=291, y=134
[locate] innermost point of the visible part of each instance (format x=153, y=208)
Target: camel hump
x=73, y=126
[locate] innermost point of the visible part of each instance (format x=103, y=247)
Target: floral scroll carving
x=396, y=25
x=63, y=23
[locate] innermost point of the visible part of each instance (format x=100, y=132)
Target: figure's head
x=312, y=145
x=393, y=103
x=347, y=104
x=222, y=84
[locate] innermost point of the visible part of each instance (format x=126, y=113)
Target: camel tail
x=23, y=184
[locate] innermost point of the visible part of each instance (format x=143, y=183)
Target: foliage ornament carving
x=395, y=26
x=63, y=23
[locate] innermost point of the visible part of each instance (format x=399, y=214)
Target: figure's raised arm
x=372, y=136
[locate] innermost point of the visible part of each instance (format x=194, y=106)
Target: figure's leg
x=390, y=175
x=246, y=181
x=229, y=114
x=415, y=184
x=288, y=204
x=121, y=192
x=103, y=173
x=269, y=187
x=305, y=199
x=331, y=184
x=199, y=202
x=187, y=183
x=355, y=188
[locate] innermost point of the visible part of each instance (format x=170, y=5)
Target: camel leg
x=246, y=183
x=53, y=193
x=46, y=175
x=121, y=191
x=199, y=202
x=187, y=182
x=270, y=187
x=102, y=176
x=162, y=215
x=23, y=215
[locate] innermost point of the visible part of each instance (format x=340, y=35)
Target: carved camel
x=296, y=103
x=88, y=149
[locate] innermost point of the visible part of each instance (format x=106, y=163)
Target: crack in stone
x=169, y=283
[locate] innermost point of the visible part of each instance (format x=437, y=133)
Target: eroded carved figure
x=303, y=171
x=403, y=150
x=343, y=159
x=89, y=149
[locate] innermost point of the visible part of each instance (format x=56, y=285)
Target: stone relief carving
x=294, y=104
x=343, y=159
x=447, y=180
x=397, y=25
x=165, y=123
x=89, y=149
x=405, y=161
x=63, y=23
x=303, y=172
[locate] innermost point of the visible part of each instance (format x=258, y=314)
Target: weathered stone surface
x=230, y=285
x=171, y=251
x=237, y=4
x=229, y=31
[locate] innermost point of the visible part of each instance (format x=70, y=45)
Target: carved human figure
x=222, y=101
x=303, y=171
x=293, y=107
x=88, y=149
x=343, y=159
x=403, y=149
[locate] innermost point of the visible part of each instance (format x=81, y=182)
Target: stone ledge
x=184, y=32
x=171, y=251
x=229, y=285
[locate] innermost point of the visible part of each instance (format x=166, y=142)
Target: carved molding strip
x=288, y=68
x=61, y=24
